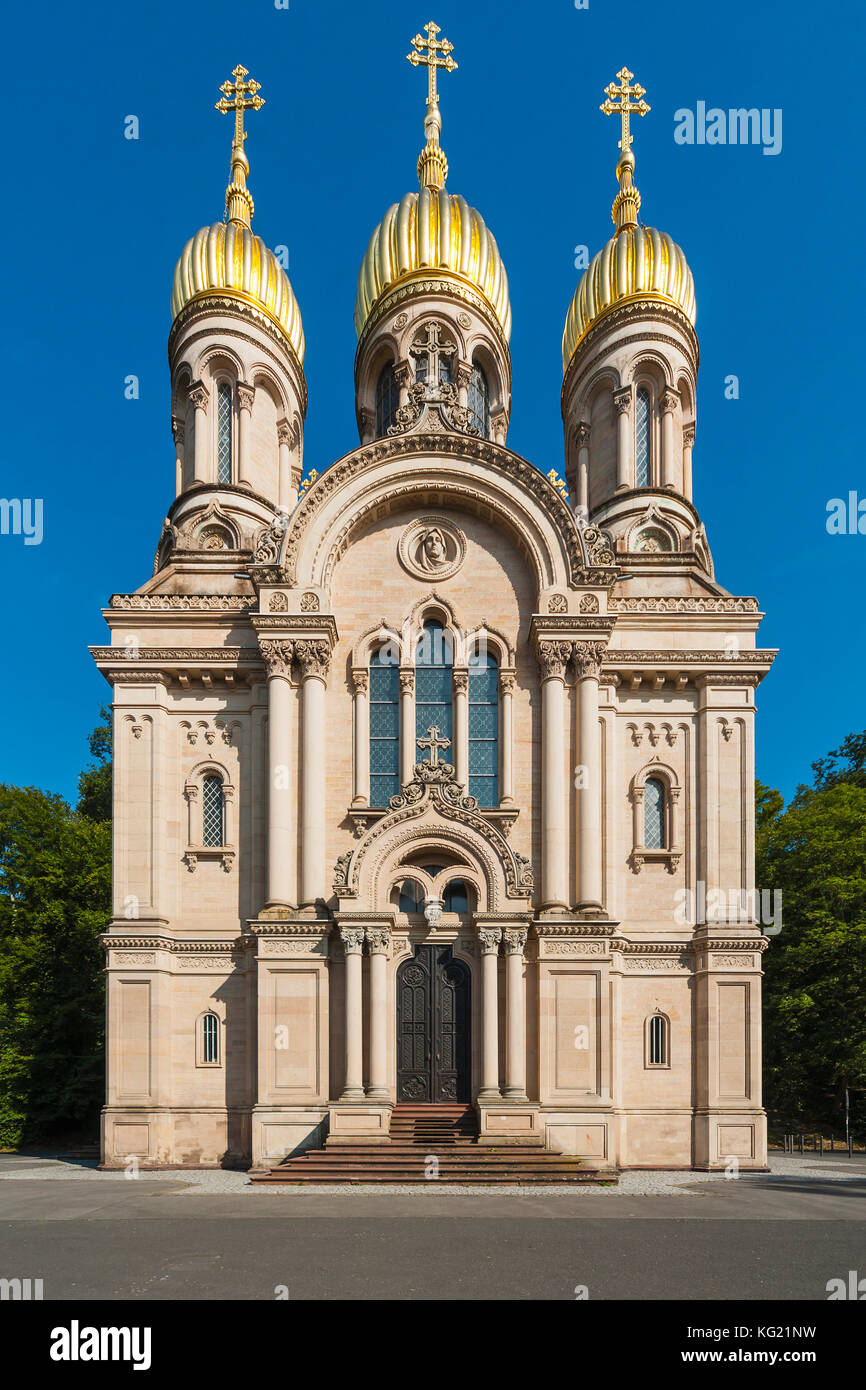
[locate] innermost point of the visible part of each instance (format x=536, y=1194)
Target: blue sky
x=95, y=224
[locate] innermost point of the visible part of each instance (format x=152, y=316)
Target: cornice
x=449, y=285
x=230, y=304
x=583, y=365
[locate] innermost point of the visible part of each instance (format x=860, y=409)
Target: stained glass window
x=642, y=438
x=224, y=432
x=478, y=402
x=484, y=730
x=387, y=399
x=654, y=814
x=434, y=658
x=384, y=727
x=212, y=808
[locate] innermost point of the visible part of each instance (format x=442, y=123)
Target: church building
x=426, y=763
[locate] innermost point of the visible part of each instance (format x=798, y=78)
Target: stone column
x=624, y=466
x=287, y=495
x=688, y=446
x=514, y=942
x=588, y=657
x=581, y=436
x=489, y=938
x=463, y=378
x=669, y=402
x=353, y=945
x=408, y=751
x=199, y=397
x=177, y=431
x=378, y=941
x=506, y=737
x=278, y=657
x=246, y=396
x=553, y=658
x=460, y=681
x=361, y=735
x=314, y=657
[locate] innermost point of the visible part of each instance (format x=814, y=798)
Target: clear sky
x=94, y=223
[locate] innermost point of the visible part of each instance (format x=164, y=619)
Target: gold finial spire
x=436, y=53
x=239, y=201
x=619, y=102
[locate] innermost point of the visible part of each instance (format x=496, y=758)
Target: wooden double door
x=433, y=1026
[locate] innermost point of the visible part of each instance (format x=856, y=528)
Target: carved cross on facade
x=435, y=743
x=430, y=347
x=624, y=107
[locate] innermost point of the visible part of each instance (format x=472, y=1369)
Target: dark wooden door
x=433, y=1014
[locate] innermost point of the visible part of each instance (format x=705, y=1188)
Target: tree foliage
x=55, y=899
x=815, y=982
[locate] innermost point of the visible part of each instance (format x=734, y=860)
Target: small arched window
x=642, y=437
x=224, y=432
x=411, y=896
x=654, y=814
x=434, y=658
x=212, y=812
x=478, y=402
x=207, y=1043
x=387, y=399
x=484, y=729
x=384, y=727
x=658, y=1041
x=456, y=896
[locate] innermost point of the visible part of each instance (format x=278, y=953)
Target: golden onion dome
x=638, y=263
x=226, y=258
x=432, y=231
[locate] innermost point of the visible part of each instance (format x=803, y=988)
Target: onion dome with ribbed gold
x=431, y=231
x=638, y=263
x=226, y=258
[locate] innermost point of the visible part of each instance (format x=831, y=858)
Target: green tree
x=94, y=784
x=815, y=970
x=55, y=899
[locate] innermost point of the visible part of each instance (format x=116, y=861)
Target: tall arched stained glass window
x=212, y=812
x=387, y=399
x=654, y=814
x=434, y=658
x=384, y=727
x=224, y=432
x=642, y=438
x=478, y=402
x=484, y=729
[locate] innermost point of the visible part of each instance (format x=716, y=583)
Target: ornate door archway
x=433, y=1027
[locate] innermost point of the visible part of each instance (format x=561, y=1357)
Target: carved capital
x=689, y=436
x=404, y=374
x=313, y=657
x=622, y=401
x=353, y=940
x=378, y=940
x=460, y=681
x=507, y=682
x=199, y=396
x=284, y=433
x=514, y=941
x=490, y=938
x=581, y=434
x=407, y=682
x=177, y=431
x=360, y=680
x=670, y=400
x=588, y=657
x=277, y=656
x=553, y=657
x=246, y=396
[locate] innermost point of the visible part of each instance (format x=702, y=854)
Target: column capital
x=582, y=432
x=199, y=395
x=622, y=401
x=670, y=400
x=553, y=657
x=277, y=655
x=689, y=436
x=378, y=940
x=588, y=658
x=489, y=938
x=507, y=680
x=353, y=940
x=314, y=657
x=460, y=680
x=407, y=680
x=514, y=940
x=246, y=396
x=177, y=429
x=360, y=680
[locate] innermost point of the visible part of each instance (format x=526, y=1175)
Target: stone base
x=279, y=1131
x=504, y=1122
x=174, y=1137
x=359, y=1122
x=722, y=1138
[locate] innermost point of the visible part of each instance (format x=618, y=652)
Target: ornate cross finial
x=239, y=96
x=435, y=53
x=431, y=345
x=620, y=103
x=435, y=744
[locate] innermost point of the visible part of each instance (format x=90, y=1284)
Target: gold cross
x=244, y=98
x=434, y=48
x=434, y=743
x=625, y=107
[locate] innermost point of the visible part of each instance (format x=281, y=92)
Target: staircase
x=432, y=1143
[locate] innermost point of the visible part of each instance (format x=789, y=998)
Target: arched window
x=484, y=729
x=384, y=727
x=210, y=1040
x=642, y=438
x=657, y=1041
x=654, y=836
x=224, y=432
x=456, y=896
x=478, y=402
x=411, y=896
x=387, y=399
x=212, y=812
x=434, y=658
